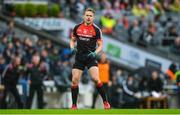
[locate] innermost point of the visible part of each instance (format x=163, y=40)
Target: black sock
x=75, y=91
x=101, y=91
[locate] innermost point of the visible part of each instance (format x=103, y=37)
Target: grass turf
x=91, y=111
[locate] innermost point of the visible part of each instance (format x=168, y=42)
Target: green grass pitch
x=92, y=111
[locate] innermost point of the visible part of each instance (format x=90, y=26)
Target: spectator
x=156, y=7
x=107, y=8
x=3, y=43
x=107, y=23
x=130, y=89
x=143, y=84
x=170, y=73
x=116, y=90
x=147, y=37
x=124, y=20
x=172, y=32
x=155, y=83
x=2, y=64
x=9, y=52
x=139, y=10
x=175, y=48
x=95, y=5
x=73, y=9
x=11, y=76
x=9, y=31
x=82, y=5
x=114, y=93
x=37, y=72
x=175, y=6
x=134, y=31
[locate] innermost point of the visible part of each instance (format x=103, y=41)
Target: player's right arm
x=72, y=42
x=73, y=37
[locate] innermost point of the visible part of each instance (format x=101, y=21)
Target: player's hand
x=73, y=51
x=92, y=55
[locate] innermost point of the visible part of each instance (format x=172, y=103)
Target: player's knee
x=75, y=81
x=96, y=81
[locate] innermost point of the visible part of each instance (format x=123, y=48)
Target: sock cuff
x=99, y=84
x=74, y=86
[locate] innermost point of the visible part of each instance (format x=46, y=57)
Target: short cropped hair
x=90, y=9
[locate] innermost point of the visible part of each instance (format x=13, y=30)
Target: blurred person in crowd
x=107, y=23
x=10, y=76
x=134, y=31
x=166, y=5
x=116, y=90
x=9, y=31
x=73, y=8
x=156, y=7
x=28, y=48
x=65, y=54
x=124, y=20
x=9, y=52
x=82, y=5
x=107, y=7
x=130, y=89
x=143, y=23
x=87, y=35
x=140, y=10
x=155, y=83
x=155, y=87
x=170, y=73
x=37, y=71
x=175, y=47
x=62, y=74
x=172, y=32
x=45, y=58
x=2, y=64
x=104, y=75
x=147, y=37
x=3, y=43
x=95, y=4
x=175, y=6
x=143, y=84
x=48, y=46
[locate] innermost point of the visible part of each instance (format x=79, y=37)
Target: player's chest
x=86, y=32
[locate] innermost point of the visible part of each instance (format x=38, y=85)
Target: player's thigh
x=94, y=72
x=76, y=74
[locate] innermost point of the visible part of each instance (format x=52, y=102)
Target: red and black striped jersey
x=86, y=36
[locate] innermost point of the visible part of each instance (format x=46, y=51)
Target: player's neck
x=86, y=24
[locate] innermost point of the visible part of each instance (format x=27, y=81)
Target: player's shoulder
x=77, y=25
x=96, y=27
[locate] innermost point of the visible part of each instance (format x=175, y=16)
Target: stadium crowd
x=145, y=23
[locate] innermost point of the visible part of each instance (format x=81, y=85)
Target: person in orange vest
x=170, y=73
x=104, y=75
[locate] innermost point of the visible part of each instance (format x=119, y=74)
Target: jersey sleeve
x=74, y=34
x=98, y=34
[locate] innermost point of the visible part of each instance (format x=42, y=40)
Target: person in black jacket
x=36, y=71
x=155, y=83
x=10, y=77
x=130, y=91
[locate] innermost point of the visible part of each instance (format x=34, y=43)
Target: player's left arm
x=100, y=46
x=99, y=41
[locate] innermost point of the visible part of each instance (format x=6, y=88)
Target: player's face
x=88, y=17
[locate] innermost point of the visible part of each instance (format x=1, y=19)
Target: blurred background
x=139, y=65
